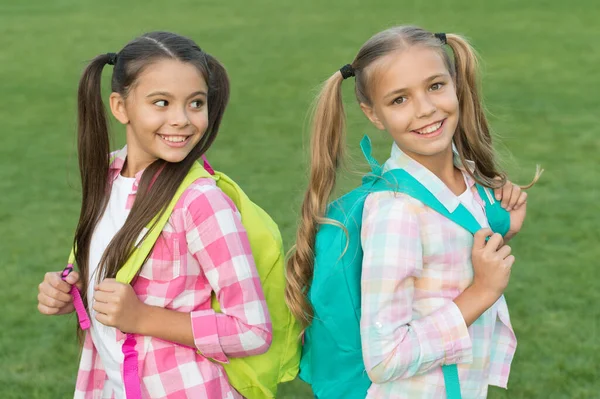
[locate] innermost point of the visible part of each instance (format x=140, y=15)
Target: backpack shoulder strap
x=498, y=217
x=153, y=229
x=401, y=181
x=367, y=150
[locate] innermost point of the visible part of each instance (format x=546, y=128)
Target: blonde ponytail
x=328, y=147
x=473, y=138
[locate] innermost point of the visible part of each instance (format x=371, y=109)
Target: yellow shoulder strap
x=153, y=229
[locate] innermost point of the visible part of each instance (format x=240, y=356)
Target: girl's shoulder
x=389, y=212
x=203, y=198
x=391, y=200
x=118, y=155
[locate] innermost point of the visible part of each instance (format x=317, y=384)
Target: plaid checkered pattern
x=203, y=248
x=415, y=263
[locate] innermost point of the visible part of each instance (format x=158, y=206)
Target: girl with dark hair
x=170, y=96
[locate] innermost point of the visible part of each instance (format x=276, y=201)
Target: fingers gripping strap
x=498, y=217
x=82, y=316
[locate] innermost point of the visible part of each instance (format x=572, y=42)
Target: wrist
x=483, y=295
x=142, y=319
x=509, y=236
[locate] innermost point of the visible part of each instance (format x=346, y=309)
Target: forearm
x=473, y=302
x=393, y=351
x=168, y=325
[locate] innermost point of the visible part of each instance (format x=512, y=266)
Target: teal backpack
x=332, y=360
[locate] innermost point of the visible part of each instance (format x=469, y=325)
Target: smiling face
x=413, y=98
x=165, y=113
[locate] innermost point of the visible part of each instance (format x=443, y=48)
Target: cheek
x=200, y=120
x=449, y=102
x=449, y=106
x=452, y=110
x=147, y=119
x=399, y=119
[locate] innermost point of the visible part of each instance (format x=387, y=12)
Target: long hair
x=161, y=179
x=472, y=138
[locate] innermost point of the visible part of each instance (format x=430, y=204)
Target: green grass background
x=540, y=83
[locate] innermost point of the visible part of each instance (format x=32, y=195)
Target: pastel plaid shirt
x=415, y=263
x=203, y=248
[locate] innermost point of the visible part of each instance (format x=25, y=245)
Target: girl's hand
x=517, y=217
x=54, y=296
x=514, y=200
x=512, y=197
x=492, y=264
x=117, y=305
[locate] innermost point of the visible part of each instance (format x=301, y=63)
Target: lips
x=174, y=139
x=429, y=129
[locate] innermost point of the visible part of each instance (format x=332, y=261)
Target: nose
x=424, y=106
x=178, y=117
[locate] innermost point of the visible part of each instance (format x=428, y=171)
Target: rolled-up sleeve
x=218, y=240
x=395, y=343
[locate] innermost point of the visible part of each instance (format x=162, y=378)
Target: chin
x=174, y=157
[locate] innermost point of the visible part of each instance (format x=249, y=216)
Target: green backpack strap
x=498, y=217
x=153, y=229
x=401, y=181
x=367, y=150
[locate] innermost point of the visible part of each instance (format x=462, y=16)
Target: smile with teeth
x=174, y=139
x=429, y=129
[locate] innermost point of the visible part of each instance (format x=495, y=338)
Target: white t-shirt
x=104, y=338
x=468, y=200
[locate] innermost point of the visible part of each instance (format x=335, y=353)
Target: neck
x=132, y=167
x=442, y=165
x=137, y=160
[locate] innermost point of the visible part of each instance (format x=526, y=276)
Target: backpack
x=332, y=361
x=255, y=377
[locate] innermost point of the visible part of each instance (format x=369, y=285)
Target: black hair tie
x=441, y=37
x=112, y=58
x=347, y=71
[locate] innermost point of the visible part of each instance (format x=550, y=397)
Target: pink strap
x=207, y=166
x=131, y=377
x=84, y=320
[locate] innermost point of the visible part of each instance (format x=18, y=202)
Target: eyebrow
x=429, y=79
x=167, y=94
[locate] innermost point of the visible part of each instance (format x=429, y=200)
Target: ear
x=370, y=113
x=117, y=107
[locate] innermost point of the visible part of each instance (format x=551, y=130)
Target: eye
x=399, y=100
x=197, y=104
x=436, y=86
x=161, y=103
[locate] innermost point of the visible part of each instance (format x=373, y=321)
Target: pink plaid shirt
x=203, y=248
x=415, y=263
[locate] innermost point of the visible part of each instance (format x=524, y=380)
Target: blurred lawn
x=540, y=83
